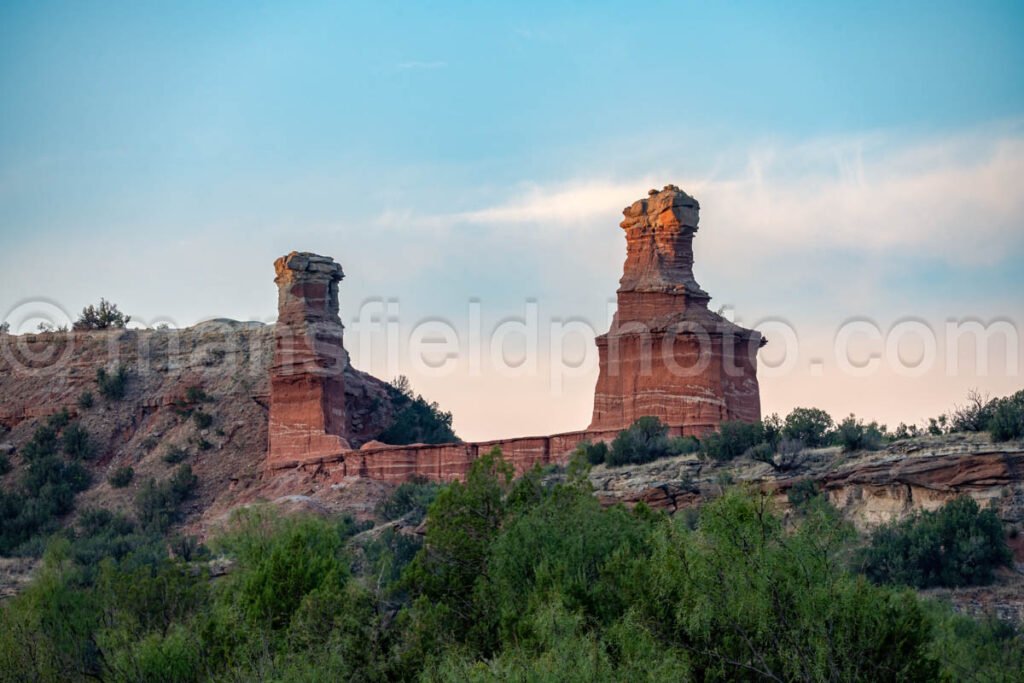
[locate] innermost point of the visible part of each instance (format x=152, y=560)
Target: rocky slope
x=227, y=361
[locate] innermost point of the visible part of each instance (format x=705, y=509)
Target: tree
x=416, y=420
x=957, y=545
x=643, y=441
x=101, y=317
x=809, y=425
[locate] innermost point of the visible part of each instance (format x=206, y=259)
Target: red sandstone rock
x=307, y=385
x=666, y=354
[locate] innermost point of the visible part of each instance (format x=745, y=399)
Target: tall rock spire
x=307, y=378
x=666, y=354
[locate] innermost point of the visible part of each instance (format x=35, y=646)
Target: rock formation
x=666, y=354
x=307, y=378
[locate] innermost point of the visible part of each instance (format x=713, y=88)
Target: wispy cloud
x=954, y=198
x=421, y=65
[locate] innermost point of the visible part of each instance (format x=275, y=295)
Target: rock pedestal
x=307, y=378
x=666, y=354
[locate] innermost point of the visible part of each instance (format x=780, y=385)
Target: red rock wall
x=307, y=385
x=447, y=462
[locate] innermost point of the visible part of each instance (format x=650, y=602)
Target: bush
x=76, y=443
x=732, y=440
x=85, y=401
x=59, y=420
x=5, y=464
x=801, y=493
x=1007, y=421
x=593, y=453
x=957, y=545
x=202, y=419
x=121, y=477
x=683, y=445
x=411, y=498
x=196, y=394
x=174, y=454
x=974, y=416
x=112, y=385
x=415, y=419
x=853, y=435
x=157, y=503
x=104, y=316
x=645, y=440
x=809, y=425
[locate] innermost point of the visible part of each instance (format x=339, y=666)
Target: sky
x=467, y=164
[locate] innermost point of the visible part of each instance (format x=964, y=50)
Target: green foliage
x=593, y=453
x=683, y=445
x=5, y=464
x=802, y=493
x=956, y=545
x=112, y=385
x=645, y=440
x=174, y=454
x=853, y=435
x=101, y=317
x=121, y=477
x=809, y=425
x=156, y=504
x=47, y=492
x=1007, y=421
x=202, y=419
x=281, y=560
x=59, y=420
x=76, y=443
x=410, y=500
x=196, y=394
x=85, y=400
x=415, y=419
x=732, y=440
x=973, y=416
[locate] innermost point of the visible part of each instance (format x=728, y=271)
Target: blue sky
x=852, y=159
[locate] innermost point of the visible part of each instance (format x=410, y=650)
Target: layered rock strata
x=308, y=416
x=666, y=354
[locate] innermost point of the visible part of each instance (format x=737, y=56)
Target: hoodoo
x=307, y=378
x=667, y=354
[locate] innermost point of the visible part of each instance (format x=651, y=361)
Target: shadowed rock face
x=307, y=378
x=666, y=354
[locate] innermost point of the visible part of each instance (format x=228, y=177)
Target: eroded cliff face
x=666, y=354
x=307, y=377
x=229, y=361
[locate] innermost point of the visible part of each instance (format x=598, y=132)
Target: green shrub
x=59, y=420
x=85, y=400
x=853, y=435
x=121, y=477
x=645, y=440
x=593, y=453
x=156, y=505
x=104, y=316
x=973, y=416
x=411, y=499
x=202, y=419
x=415, y=419
x=112, y=385
x=196, y=394
x=809, y=425
x=683, y=445
x=174, y=454
x=802, y=492
x=5, y=464
x=732, y=440
x=1007, y=421
x=76, y=443
x=956, y=545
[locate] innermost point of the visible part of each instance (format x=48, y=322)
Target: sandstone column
x=307, y=386
x=666, y=354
